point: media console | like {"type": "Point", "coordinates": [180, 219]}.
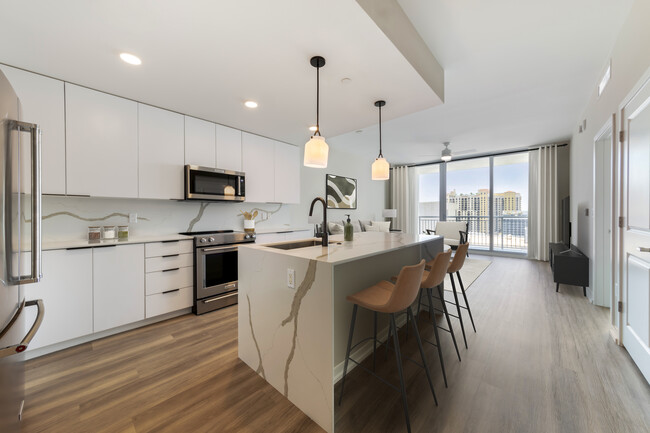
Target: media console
{"type": "Point", "coordinates": [569, 265]}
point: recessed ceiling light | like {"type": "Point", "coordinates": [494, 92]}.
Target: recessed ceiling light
{"type": "Point", "coordinates": [313, 128]}
{"type": "Point", "coordinates": [250, 104]}
{"type": "Point", "coordinates": [130, 59]}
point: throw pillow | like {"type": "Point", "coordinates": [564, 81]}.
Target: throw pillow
{"type": "Point", "coordinates": [382, 226]}
{"type": "Point", "coordinates": [356, 225]}
{"type": "Point", "coordinates": [335, 229]}
{"type": "Point", "coordinates": [364, 224]}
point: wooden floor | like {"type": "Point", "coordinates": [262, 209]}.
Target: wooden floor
{"type": "Point", "coordinates": [540, 362]}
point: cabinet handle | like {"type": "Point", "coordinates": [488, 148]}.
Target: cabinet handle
{"type": "Point", "coordinates": [169, 242]}
{"type": "Point", "coordinates": [171, 291]}
{"type": "Point", "coordinates": [169, 270]}
{"type": "Point", "coordinates": [170, 255]}
{"type": "Point", "coordinates": [644, 249]}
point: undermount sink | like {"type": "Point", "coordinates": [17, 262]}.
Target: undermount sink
{"type": "Point", "coordinates": [300, 244]}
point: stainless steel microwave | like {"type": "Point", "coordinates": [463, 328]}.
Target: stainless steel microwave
{"type": "Point", "coordinates": [205, 183]}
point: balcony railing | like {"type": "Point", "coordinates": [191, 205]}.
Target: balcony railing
{"type": "Point", "coordinates": [510, 232]}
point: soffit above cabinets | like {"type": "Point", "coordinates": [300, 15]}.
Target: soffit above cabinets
{"type": "Point", "coordinates": [205, 59]}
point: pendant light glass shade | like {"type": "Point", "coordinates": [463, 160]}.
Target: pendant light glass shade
{"type": "Point", "coordinates": [316, 152]}
{"type": "Point", "coordinates": [380, 169]}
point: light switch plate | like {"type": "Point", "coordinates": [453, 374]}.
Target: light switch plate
{"type": "Point", "coordinates": [291, 278]}
{"type": "Point", "coordinates": [133, 217]}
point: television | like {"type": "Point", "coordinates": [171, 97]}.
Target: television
{"type": "Point", "coordinates": [565, 221]}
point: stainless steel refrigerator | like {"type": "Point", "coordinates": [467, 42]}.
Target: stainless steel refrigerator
{"type": "Point", "coordinates": [20, 249]}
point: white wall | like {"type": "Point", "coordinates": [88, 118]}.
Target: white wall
{"type": "Point", "coordinates": [630, 58]}
{"type": "Point", "coordinates": [67, 217]}
{"type": "Point", "coordinates": [371, 194]}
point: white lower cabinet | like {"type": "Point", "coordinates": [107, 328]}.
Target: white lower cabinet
{"type": "Point", "coordinates": [67, 293]}
{"type": "Point", "coordinates": [169, 301]}
{"type": "Point", "coordinates": [118, 285]}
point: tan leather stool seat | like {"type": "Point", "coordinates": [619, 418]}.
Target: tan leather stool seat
{"type": "Point", "coordinates": [374, 298]}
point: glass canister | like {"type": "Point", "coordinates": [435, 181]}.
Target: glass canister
{"type": "Point", "coordinates": [94, 234]}
{"type": "Point", "coordinates": [122, 233]}
{"type": "Point", "coordinates": [110, 232]}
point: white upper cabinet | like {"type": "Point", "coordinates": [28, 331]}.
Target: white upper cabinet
{"type": "Point", "coordinates": [160, 153]}
{"type": "Point", "coordinates": [42, 103]}
{"type": "Point", "coordinates": [200, 142]}
{"type": "Point", "coordinates": [259, 166]}
{"type": "Point", "coordinates": [118, 285]}
{"type": "Point", "coordinates": [229, 148]}
{"type": "Point", "coordinates": [101, 144]}
{"type": "Point", "coordinates": [287, 173]}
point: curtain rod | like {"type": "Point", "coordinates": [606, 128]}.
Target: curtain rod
{"type": "Point", "coordinates": [485, 155]}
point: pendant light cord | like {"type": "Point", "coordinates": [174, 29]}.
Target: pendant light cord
{"type": "Point", "coordinates": [317, 100]}
{"type": "Point", "coordinates": [380, 154]}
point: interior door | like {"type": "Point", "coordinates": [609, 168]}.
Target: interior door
{"type": "Point", "coordinates": [636, 233]}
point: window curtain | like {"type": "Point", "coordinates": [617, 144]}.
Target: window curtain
{"type": "Point", "coordinates": [543, 208]}
{"type": "Point", "coordinates": [404, 198]}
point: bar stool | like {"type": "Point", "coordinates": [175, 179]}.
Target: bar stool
{"type": "Point", "coordinates": [454, 268]}
{"type": "Point", "coordinates": [384, 297]}
{"type": "Point", "coordinates": [433, 277]}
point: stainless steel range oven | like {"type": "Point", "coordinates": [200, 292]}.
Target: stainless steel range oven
{"type": "Point", "coordinates": [215, 265]}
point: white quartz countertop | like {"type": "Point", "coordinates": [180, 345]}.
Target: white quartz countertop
{"type": "Point", "coordinates": [83, 243]}
{"type": "Point", "coordinates": [365, 244]}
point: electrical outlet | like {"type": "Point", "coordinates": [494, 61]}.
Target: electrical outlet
{"type": "Point", "coordinates": [133, 217]}
{"type": "Point", "coordinates": [291, 278]}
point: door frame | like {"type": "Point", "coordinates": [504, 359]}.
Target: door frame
{"type": "Point", "coordinates": [609, 128]}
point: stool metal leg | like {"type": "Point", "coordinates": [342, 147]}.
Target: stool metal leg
{"type": "Point", "coordinates": [462, 288]}
{"type": "Point", "coordinates": [347, 353]}
{"type": "Point", "coordinates": [417, 313]}
{"type": "Point", "coordinates": [441, 294]}
{"type": "Point", "coordinates": [460, 315]}
{"type": "Point", "coordinates": [398, 358]}
{"type": "Point", "coordinates": [374, 343]}
{"type": "Point", "coordinates": [424, 360]}
{"type": "Point", "coordinates": [435, 332]}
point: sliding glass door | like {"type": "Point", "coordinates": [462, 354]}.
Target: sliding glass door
{"type": "Point", "coordinates": [468, 198]}
{"type": "Point", "coordinates": [510, 203]}
{"type": "Point", "coordinates": [489, 193]}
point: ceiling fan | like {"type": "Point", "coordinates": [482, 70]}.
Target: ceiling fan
{"type": "Point", "coordinates": [446, 155]}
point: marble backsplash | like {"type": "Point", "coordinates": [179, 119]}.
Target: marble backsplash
{"type": "Point", "coordinates": [67, 218]}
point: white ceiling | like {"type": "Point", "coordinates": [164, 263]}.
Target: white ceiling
{"type": "Point", "coordinates": [517, 73]}
{"type": "Point", "coordinates": [205, 57]}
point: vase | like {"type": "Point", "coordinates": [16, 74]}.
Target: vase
{"type": "Point", "coordinates": [249, 226]}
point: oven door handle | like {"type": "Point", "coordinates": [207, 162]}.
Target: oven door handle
{"type": "Point", "coordinates": [220, 249]}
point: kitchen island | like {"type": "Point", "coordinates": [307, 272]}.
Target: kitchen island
{"type": "Point", "coordinates": [295, 338]}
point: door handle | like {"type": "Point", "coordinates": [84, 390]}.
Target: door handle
{"type": "Point", "coordinates": [643, 249]}
{"type": "Point", "coordinates": [35, 274]}
{"type": "Point", "coordinates": [20, 347]}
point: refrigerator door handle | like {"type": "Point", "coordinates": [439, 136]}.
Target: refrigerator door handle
{"type": "Point", "coordinates": [35, 135]}
{"type": "Point", "coordinates": [20, 347]}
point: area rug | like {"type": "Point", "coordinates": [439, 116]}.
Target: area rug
{"type": "Point", "coordinates": [471, 270]}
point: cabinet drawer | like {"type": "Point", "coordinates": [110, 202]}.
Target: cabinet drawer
{"type": "Point", "coordinates": [157, 249]}
{"type": "Point", "coordinates": [153, 264]}
{"type": "Point", "coordinates": [158, 282]}
{"type": "Point", "coordinates": [162, 303]}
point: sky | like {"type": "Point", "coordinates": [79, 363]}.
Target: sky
{"type": "Point", "coordinates": [511, 177]}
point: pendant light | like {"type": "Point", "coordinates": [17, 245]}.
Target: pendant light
{"type": "Point", "coordinates": [380, 168]}
{"type": "Point", "coordinates": [446, 152]}
{"type": "Point", "coordinates": [316, 150]}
